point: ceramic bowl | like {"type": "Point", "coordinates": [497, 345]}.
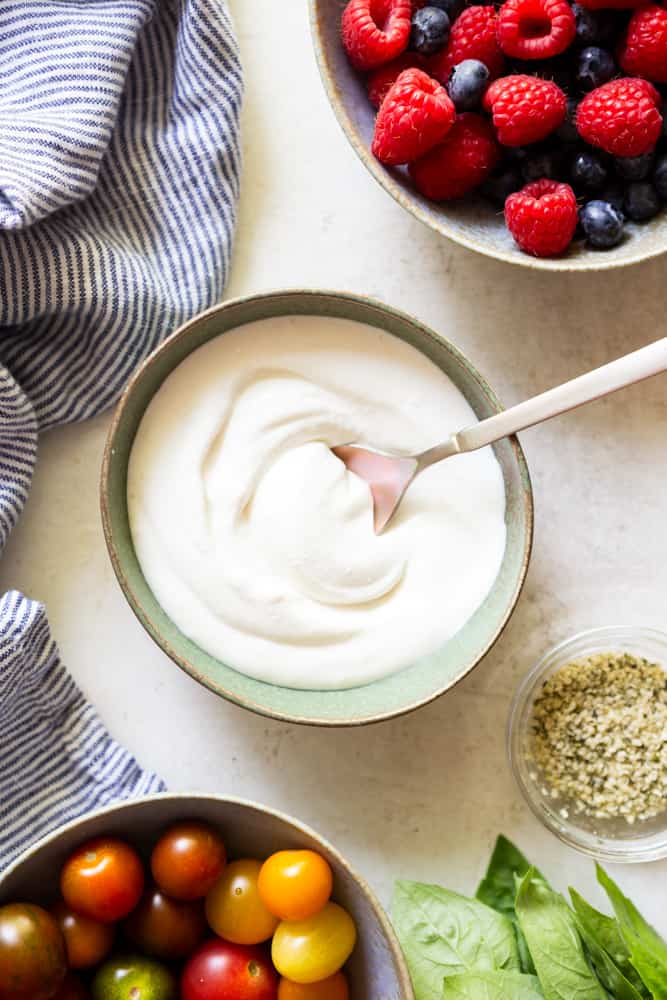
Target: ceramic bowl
{"type": "Point", "coordinates": [376, 971]}
{"type": "Point", "coordinates": [384, 698]}
{"type": "Point", "coordinates": [473, 222]}
{"type": "Point", "coordinates": [607, 840]}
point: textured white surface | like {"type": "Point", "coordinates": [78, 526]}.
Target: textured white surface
{"type": "Point", "coordinates": [423, 796]}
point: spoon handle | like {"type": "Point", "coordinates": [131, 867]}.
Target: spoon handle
{"type": "Point", "coordinates": [635, 367]}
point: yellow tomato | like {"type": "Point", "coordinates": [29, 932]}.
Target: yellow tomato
{"type": "Point", "coordinates": [307, 951]}
{"type": "Point", "coordinates": [295, 884]}
{"type": "Point", "coordinates": [333, 988]}
{"type": "Point", "coordinates": [234, 908]}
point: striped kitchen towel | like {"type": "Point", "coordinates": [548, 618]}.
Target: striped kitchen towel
{"type": "Point", "coordinates": [119, 176]}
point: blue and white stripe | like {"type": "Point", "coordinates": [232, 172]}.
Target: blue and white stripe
{"type": "Point", "coordinates": [119, 177]}
{"type": "Point", "coordinates": [57, 759]}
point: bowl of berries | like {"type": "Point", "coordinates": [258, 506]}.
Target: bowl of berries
{"type": "Point", "coordinates": [196, 897]}
{"type": "Point", "coordinates": [532, 131]}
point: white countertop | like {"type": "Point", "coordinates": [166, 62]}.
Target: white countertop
{"type": "Point", "coordinates": [422, 796]}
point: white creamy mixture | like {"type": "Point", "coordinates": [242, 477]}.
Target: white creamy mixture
{"type": "Point", "coordinates": [259, 544]}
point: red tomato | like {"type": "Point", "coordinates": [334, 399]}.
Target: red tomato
{"type": "Point", "coordinates": [188, 860]}
{"type": "Point", "coordinates": [166, 928]}
{"type": "Point", "coordinates": [32, 953]}
{"type": "Point", "coordinates": [103, 879]}
{"type": "Point", "coordinates": [233, 971]}
{"type": "Point", "coordinates": [88, 941]}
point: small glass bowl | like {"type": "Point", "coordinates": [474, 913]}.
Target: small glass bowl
{"type": "Point", "coordinates": [608, 840]}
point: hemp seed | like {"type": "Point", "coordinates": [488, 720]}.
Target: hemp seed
{"type": "Point", "coordinates": [599, 737]}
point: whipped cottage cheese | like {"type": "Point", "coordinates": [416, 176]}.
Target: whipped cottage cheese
{"type": "Point", "coordinates": [259, 543]}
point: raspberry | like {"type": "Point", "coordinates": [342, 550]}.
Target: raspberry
{"type": "Point", "coordinates": [415, 115]}
{"type": "Point", "coordinates": [473, 36]}
{"type": "Point", "coordinates": [375, 31]}
{"type": "Point", "coordinates": [525, 108]}
{"type": "Point", "coordinates": [460, 162]}
{"type": "Point", "coordinates": [381, 80]}
{"type": "Point", "coordinates": [542, 217]}
{"type": "Point", "coordinates": [620, 117]}
{"type": "Point", "coordinates": [644, 50]}
{"type": "Point", "coordinates": [535, 29]}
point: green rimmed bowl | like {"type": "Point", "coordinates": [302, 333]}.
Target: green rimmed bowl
{"type": "Point", "coordinates": [376, 970]}
{"type": "Point", "coordinates": [387, 697]}
{"type": "Point", "coordinates": [472, 222]}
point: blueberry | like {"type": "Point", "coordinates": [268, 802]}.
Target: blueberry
{"type": "Point", "coordinates": [595, 66]}
{"type": "Point", "coordinates": [660, 177]}
{"type": "Point", "coordinates": [467, 84]}
{"type": "Point", "coordinates": [502, 182]}
{"type": "Point", "coordinates": [641, 201]}
{"type": "Point", "coordinates": [588, 171]}
{"type": "Point", "coordinates": [613, 193]}
{"type": "Point", "coordinates": [546, 163]}
{"type": "Point", "coordinates": [567, 132]}
{"type": "Point", "coordinates": [602, 223]}
{"type": "Point", "coordinates": [594, 27]}
{"type": "Point", "coordinates": [634, 168]}
{"type": "Point", "coordinates": [430, 30]}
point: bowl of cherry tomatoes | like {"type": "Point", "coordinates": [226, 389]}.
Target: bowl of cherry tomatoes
{"type": "Point", "coordinates": [192, 897]}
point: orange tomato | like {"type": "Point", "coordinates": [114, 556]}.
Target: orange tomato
{"type": "Point", "coordinates": [295, 885]}
{"type": "Point", "coordinates": [188, 860]}
{"type": "Point", "coordinates": [333, 988]}
{"type": "Point", "coordinates": [87, 941]}
{"type": "Point", "coordinates": [103, 879]}
{"type": "Point", "coordinates": [234, 908]}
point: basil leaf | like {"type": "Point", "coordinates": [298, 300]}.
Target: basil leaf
{"type": "Point", "coordinates": [443, 934]}
{"type": "Point", "coordinates": [607, 934]}
{"type": "Point", "coordinates": [498, 889]}
{"type": "Point", "coordinates": [648, 951]}
{"type": "Point", "coordinates": [607, 971]}
{"type": "Point", "coordinates": [492, 986]}
{"type": "Point", "coordinates": [555, 946]}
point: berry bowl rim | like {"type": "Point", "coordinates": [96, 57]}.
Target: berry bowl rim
{"type": "Point", "coordinates": [340, 79]}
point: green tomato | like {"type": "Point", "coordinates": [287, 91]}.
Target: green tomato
{"type": "Point", "coordinates": [132, 977]}
{"type": "Point", "coordinates": [307, 951]}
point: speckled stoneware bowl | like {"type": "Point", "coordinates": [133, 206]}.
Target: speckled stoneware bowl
{"type": "Point", "coordinates": [376, 971]}
{"type": "Point", "coordinates": [384, 698]}
{"type": "Point", "coordinates": [473, 223]}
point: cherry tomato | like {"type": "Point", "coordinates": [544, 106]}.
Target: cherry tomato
{"type": "Point", "coordinates": [87, 941]}
{"type": "Point", "coordinates": [133, 977]}
{"type": "Point", "coordinates": [235, 972]}
{"type": "Point", "coordinates": [33, 962]}
{"type": "Point", "coordinates": [295, 885]}
{"type": "Point", "coordinates": [103, 879]}
{"type": "Point", "coordinates": [234, 908]}
{"type": "Point", "coordinates": [188, 860]}
{"type": "Point", "coordinates": [333, 988]}
{"type": "Point", "coordinates": [72, 988]}
{"type": "Point", "coordinates": [306, 951]}
{"type": "Point", "coordinates": [166, 928]}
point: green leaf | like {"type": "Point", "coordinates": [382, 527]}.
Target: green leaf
{"type": "Point", "coordinates": [555, 946]}
{"type": "Point", "coordinates": [648, 951]}
{"type": "Point", "coordinates": [607, 934]}
{"type": "Point", "coordinates": [492, 986]}
{"type": "Point", "coordinates": [498, 889]}
{"type": "Point", "coordinates": [443, 934]}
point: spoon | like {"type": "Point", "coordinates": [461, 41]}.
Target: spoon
{"type": "Point", "coordinates": [389, 476]}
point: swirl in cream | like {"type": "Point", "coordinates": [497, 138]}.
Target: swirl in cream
{"type": "Point", "coordinates": [259, 544]}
